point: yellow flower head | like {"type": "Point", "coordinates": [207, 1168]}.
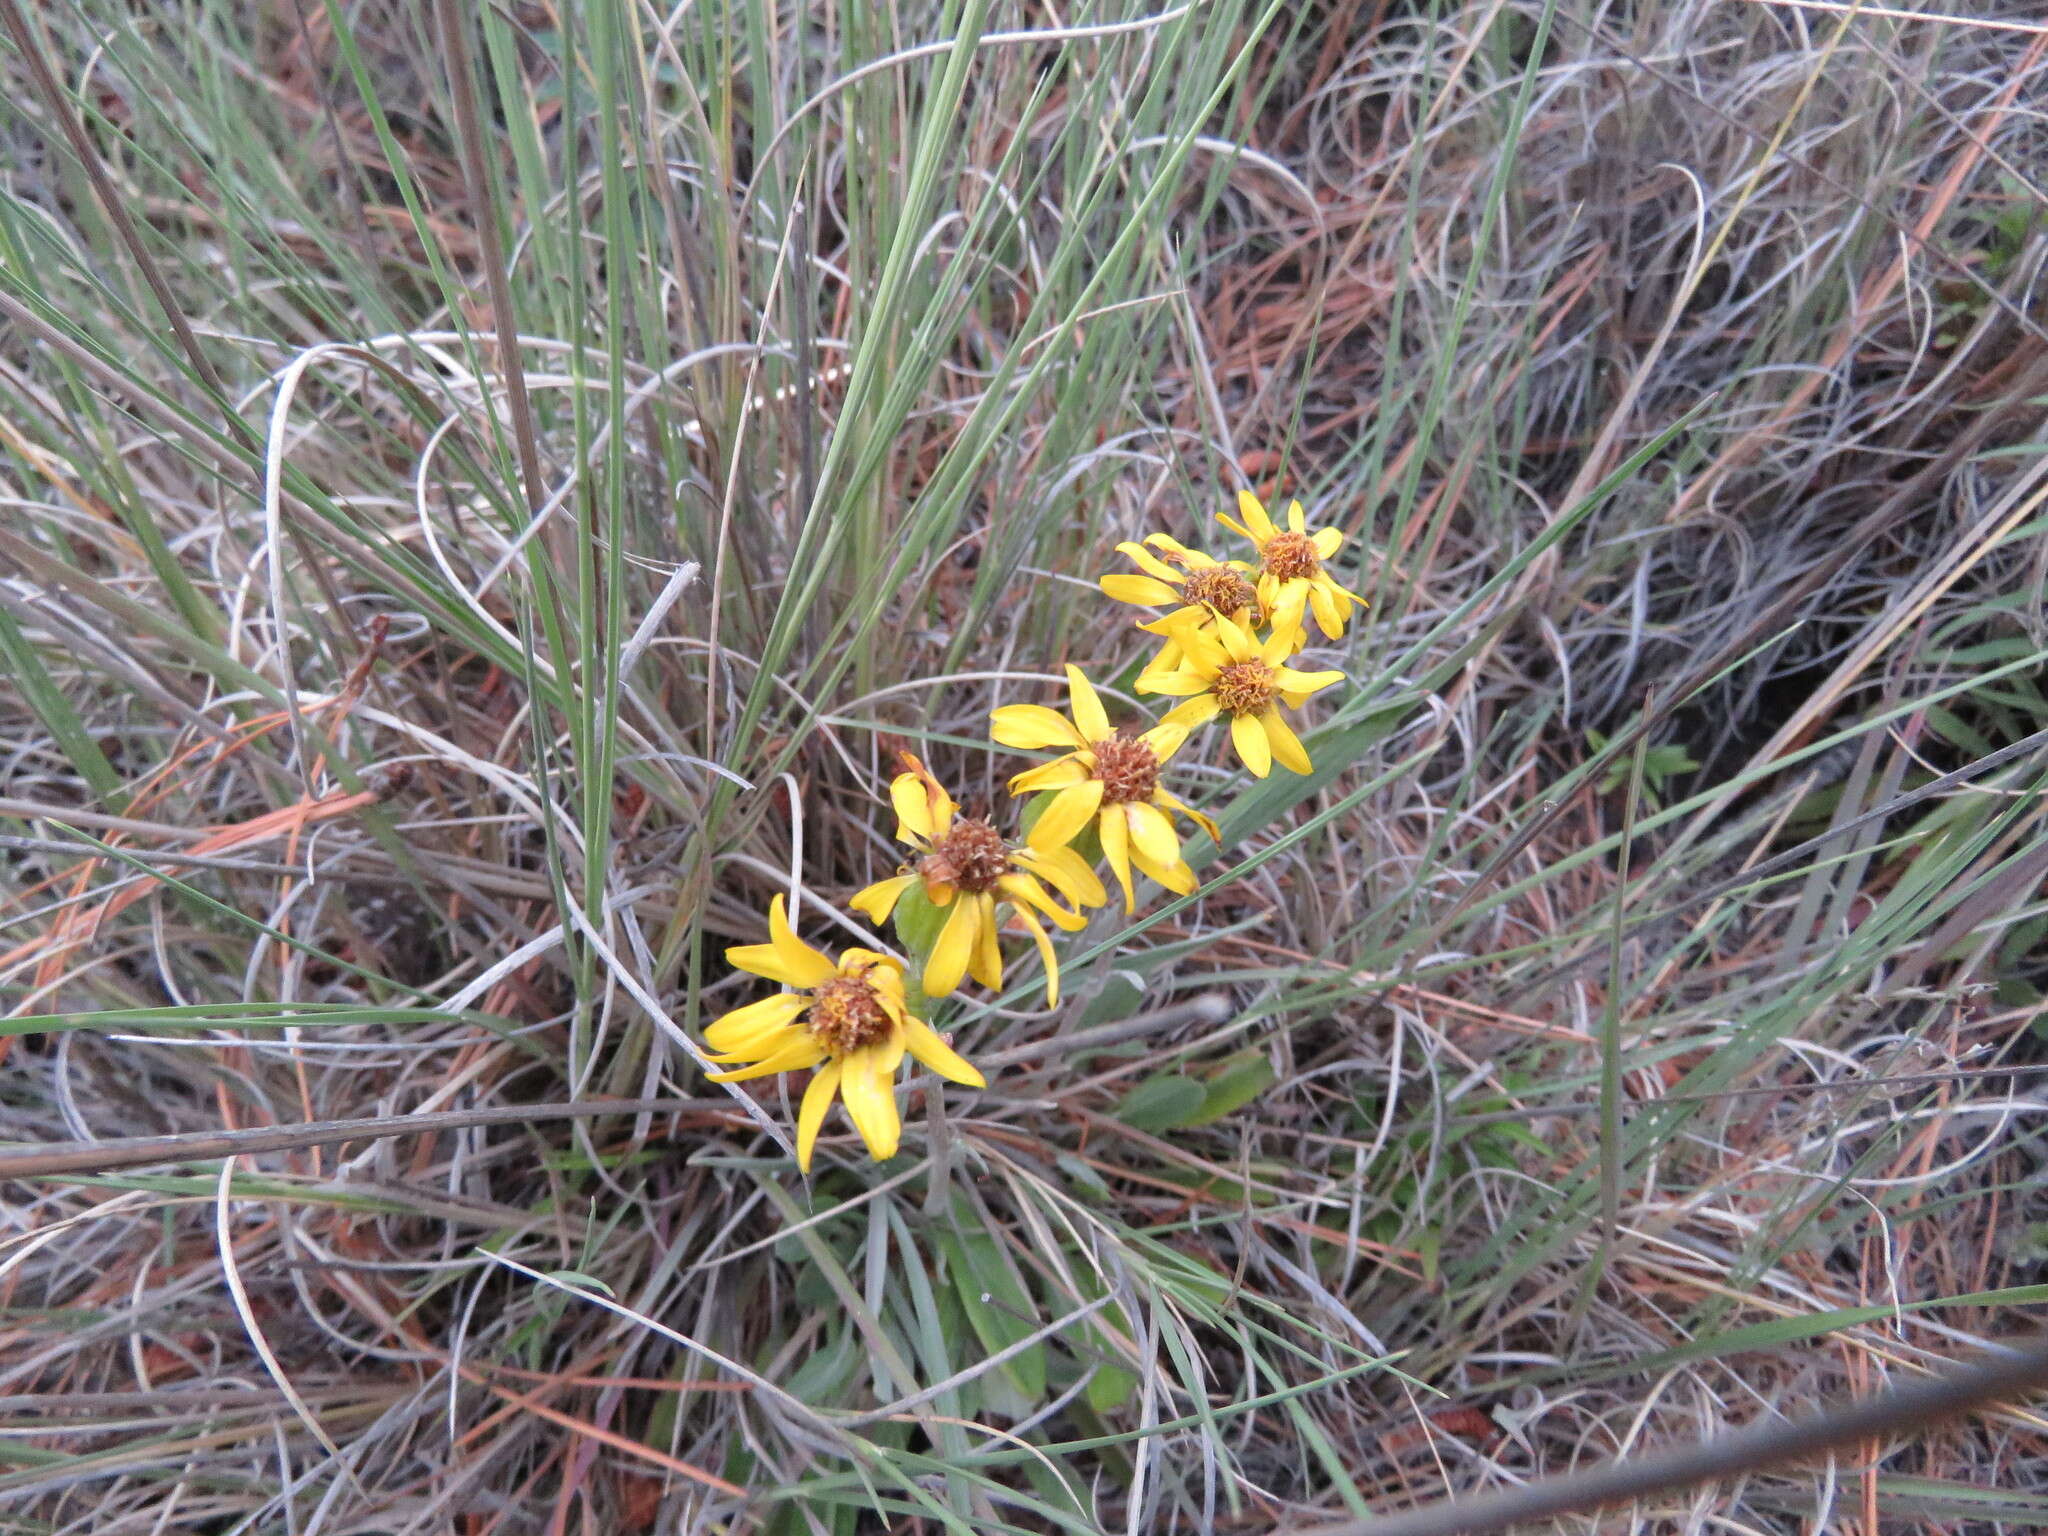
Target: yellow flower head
{"type": "Point", "coordinates": [1291, 575]}
{"type": "Point", "coordinates": [849, 1020]}
{"type": "Point", "coordinates": [969, 868]}
{"type": "Point", "coordinates": [1107, 778]}
{"type": "Point", "coordinates": [1226, 670]}
{"type": "Point", "coordinates": [1201, 586]}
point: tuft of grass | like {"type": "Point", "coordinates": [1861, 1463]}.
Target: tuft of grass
{"type": "Point", "coordinates": [489, 490]}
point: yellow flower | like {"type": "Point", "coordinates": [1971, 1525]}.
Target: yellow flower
{"type": "Point", "coordinates": [1291, 575]}
{"type": "Point", "coordinates": [1226, 670]}
{"type": "Point", "coordinates": [849, 1020]}
{"type": "Point", "coordinates": [1107, 778]}
{"type": "Point", "coordinates": [1202, 586]}
{"type": "Point", "coordinates": [968, 867]}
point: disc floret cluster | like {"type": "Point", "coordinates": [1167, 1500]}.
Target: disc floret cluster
{"type": "Point", "coordinates": [1229, 632]}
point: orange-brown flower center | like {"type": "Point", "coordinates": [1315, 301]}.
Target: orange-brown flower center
{"type": "Point", "coordinates": [1219, 589]}
{"type": "Point", "coordinates": [1244, 687]}
{"type": "Point", "coordinates": [972, 856]}
{"type": "Point", "coordinates": [847, 1013]}
{"type": "Point", "coordinates": [1291, 555]}
{"type": "Point", "coordinates": [1128, 768]}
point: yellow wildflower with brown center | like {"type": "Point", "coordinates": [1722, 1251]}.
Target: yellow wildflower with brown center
{"type": "Point", "coordinates": [850, 1020]}
{"type": "Point", "coordinates": [1106, 778]}
{"type": "Point", "coordinates": [1291, 579]}
{"type": "Point", "coordinates": [968, 867]}
{"type": "Point", "coordinates": [1227, 671]}
{"type": "Point", "coordinates": [1202, 587]}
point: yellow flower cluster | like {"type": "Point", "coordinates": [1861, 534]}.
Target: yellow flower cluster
{"type": "Point", "coordinates": [1232, 627]}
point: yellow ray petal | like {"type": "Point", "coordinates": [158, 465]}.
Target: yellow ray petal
{"type": "Point", "coordinates": [1152, 834]}
{"type": "Point", "coordinates": [951, 955]}
{"type": "Point", "coordinates": [1287, 748]}
{"type": "Point", "coordinates": [1296, 522]}
{"type": "Point", "coordinates": [1069, 812]}
{"type": "Point", "coordinates": [1253, 511]}
{"type": "Point", "coordinates": [785, 958]}
{"type": "Point", "coordinates": [1116, 848]}
{"type": "Point", "coordinates": [1033, 727]}
{"type": "Point", "coordinates": [1025, 891]}
{"type": "Point", "coordinates": [1278, 646]}
{"type": "Point", "coordinates": [731, 1031]}
{"type": "Point", "coordinates": [879, 900]}
{"type": "Point", "coordinates": [1252, 743]}
{"type": "Point", "coordinates": [802, 1051]}
{"type": "Point", "coordinates": [926, 1046]}
{"type": "Point", "coordinates": [1089, 715]}
{"type": "Point", "coordinates": [1203, 648]}
{"type": "Point", "coordinates": [1199, 710]}
{"type": "Point", "coordinates": [1046, 957]}
{"type": "Point", "coordinates": [1057, 774]}
{"type": "Point", "coordinates": [1290, 681]}
{"type": "Point", "coordinates": [1174, 803]}
{"type": "Point", "coordinates": [1166, 738]}
{"type": "Point", "coordinates": [1145, 591]}
{"type": "Point", "coordinates": [1066, 872]}
{"type": "Point", "coordinates": [1175, 685]}
{"type": "Point", "coordinates": [913, 808]}
{"type": "Point", "coordinates": [1327, 541]}
{"type": "Point", "coordinates": [810, 1116]}
{"type": "Point", "coordinates": [1329, 615]}
{"type": "Point", "coordinates": [986, 965]}
{"type": "Point", "coordinates": [1176, 877]}
{"type": "Point", "coordinates": [870, 1097]}
{"type": "Point", "coordinates": [1150, 563]}
{"type": "Point", "coordinates": [1236, 642]}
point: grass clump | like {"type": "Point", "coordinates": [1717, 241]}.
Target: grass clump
{"type": "Point", "coordinates": [494, 492]}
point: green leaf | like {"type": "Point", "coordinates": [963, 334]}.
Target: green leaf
{"type": "Point", "coordinates": [1240, 1080]}
{"type": "Point", "coordinates": [1160, 1103]}
{"type": "Point", "coordinates": [20, 664]}
{"type": "Point", "coordinates": [998, 1307]}
{"type": "Point", "coordinates": [918, 920]}
{"type": "Point", "coordinates": [578, 1280]}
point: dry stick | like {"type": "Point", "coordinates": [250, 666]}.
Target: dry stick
{"type": "Point", "coordinates": [93, 1157]}
{"type": "Point", "coordinates": [1907, 1411]}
